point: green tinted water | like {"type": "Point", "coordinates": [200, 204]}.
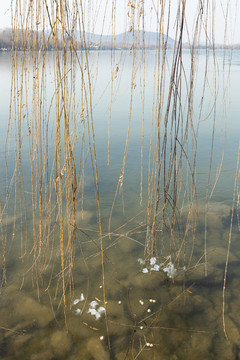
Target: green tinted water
{"type": "Point", "coordinates": [150, 315]}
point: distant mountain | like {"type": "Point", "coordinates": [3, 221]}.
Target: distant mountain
{"type": "Point", "coordinates": [125, 40]}
{"type": "Point", "coordinates": [150, 40]}
{"type": "Point", "coordinates": [5, 39]}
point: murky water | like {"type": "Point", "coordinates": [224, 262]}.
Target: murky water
{"type": "Point", "coordinates": [163, 308]}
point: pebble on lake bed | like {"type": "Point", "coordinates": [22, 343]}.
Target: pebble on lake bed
{"type": "Point", "coordinates": [149, 344]}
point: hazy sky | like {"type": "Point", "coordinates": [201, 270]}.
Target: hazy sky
{"type": "Point", "coordinates": [5, 13]}
{"type": "Point", "coordinates": [94, 10]}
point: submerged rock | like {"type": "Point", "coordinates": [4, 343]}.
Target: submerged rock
{"type": "Point", "coordinates": [222, 349]}
{"type": "Point", "coordinates": [216, 298]}
{"type": "Point", "coordinates": [234, 311]}
{"type": "Point", "coordinates": [29, 309]}
{"type": "Point", "coordinates": [174, 357]}
{"type": "Point", "coordinates": [217, 256]}
{"type": "Point", "coordinates": [233, 331]}
{"type": "Point", "coordinates": [212, 316]}
{"type": "Point", "coordinates": [61, 343]}
{"type": "Point", "coordinates": [121, 356]}
{"type": "Point", "coordinates": [44, 355]}
{"type": "Point", "coordinates": [214, 273]}
{"type": "Point", "coordinates": [119, 331]}
{"type": "Point", "coordinates": [76, 357]}
{"type": "Point", "coordinates": [226, 219]}
{"type": "Point", "coordinates": [84, 217]}
{"type": "Point", "coordinates": [78, 330]}
{"type": "Point", "coordinates": [201, 343]}
{"type": "Point", "coordinates": [115, 310]}
{"type": "Point", "coordinates": [21, 341]}
{"type": "Point", "coordinates": [126, 245]}
{"type": "Point", "coordinates": [202, 303]}
{"type": "Point", "coordinates": [97, 350]}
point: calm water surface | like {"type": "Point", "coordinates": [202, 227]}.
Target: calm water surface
{"type": "Point", "coordinates": [150, 314]}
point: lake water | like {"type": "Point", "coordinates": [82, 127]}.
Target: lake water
{"type": "Point", "coordinates": [157, 308]}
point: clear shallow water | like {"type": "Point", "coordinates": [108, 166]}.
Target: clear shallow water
{"type": "Point", "coordinates": [150, 315]}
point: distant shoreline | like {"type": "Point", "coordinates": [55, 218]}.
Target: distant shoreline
{"type": "Point", "coordinates": [7, 50]}
{"type": "Point", "coordinates": [94, 42]}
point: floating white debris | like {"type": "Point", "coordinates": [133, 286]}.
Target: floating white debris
{"type": "Point", "coordinates": [149, 310]}
{"type": "Point", "coordinates": [119, 302]}
{"type": "Point", "coordinates": [153, 261]}
{"type": "Point", "coordinates": [141, 328]}
{"type": "Point", "coordinates": [155, 268]}
{"type": "Point", "coordinates": [93, 304]}
{"type": "Point", "coordinates": [101, 338]}
{"type": "Point", "coordinates": [100, 287]}
{"type": "Point", "coordinates": [170, 270]}
{"type": "Point", "coordinates": [141, 302]}
{"type": "Point", "coordinates": [101, 310]}
{"type": "Point", "coordinates": [167, 266]}
{"type": "Point", "coordinates": [153, 300]}
{"type": "Point", "coordinates": [78, 311]}
{"type": "Point", "coordinates": [76, 301]}
{"type": "Point", "coordinates": [94, 312]}
{"type": "Point", "coordinates": [150, 300]}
